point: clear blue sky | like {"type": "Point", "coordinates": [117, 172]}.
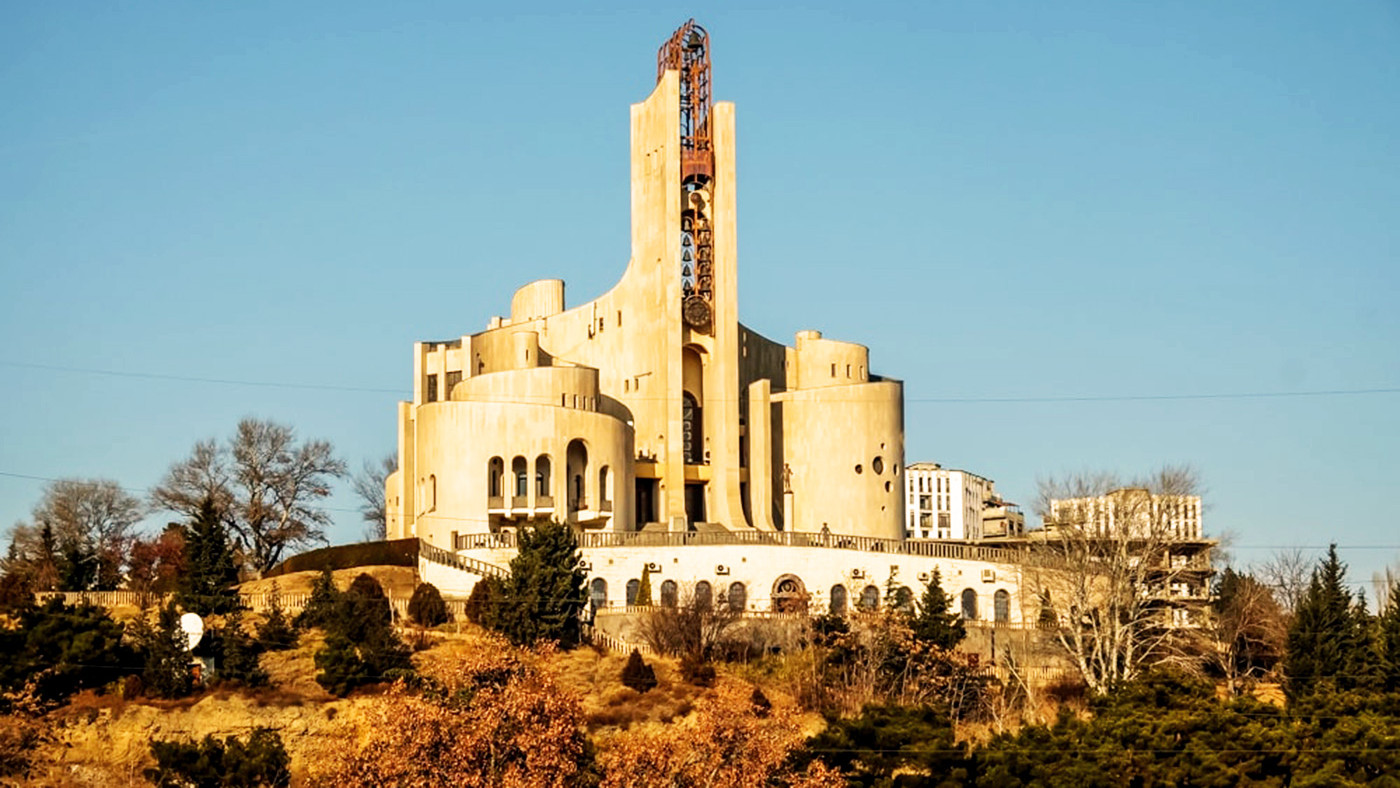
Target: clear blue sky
{"type": "Point", "coordinates": [1003, 200]}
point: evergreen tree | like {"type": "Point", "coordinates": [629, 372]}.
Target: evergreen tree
{"type": "Point", "coordinates": [1327, 642]}
{"type": "Point", "coordinates": [544, 595]}
{"type": "Point", "coordinates": [207, 586]}
{"type": "Point", "coordinates": [165, 654]}
{"type": "Point", "coordinates": [321, 606]}
{"type": "Point", "coordinates": [276, 632]}
{"type": "Point", "coordinates": [935, 623]}
{"type": "Point", "coordinates": [426, 607]}
{"type": "Point", "coordinates": [1388, 642]}
{"type": "Point", "coordinates": [483, 604]}
{"type": "Point", "coordinates": [64, 649]}
{"type": "Point", "coordinates": [238, 657]}
{"type": "Point", "coordinates": [361, 646]}
{"type": "Point", "coordinates": [637, 674]}
{"type": "Point", "coordinates": [644, 588]}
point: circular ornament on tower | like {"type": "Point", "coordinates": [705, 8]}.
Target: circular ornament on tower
{"type": "Point", "coordinates": [696, 311]}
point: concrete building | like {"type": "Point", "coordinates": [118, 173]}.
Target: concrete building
{"type": "Point", "coordinates": [678, 442]}
{"type": "Point", "coordinates": [652, 406]}
{"type": "Point", "coordinates": [945, 503]}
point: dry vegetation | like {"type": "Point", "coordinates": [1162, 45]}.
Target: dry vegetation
{"type": "Point", "coordinates": [397, 581]}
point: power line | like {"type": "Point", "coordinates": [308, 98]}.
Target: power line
{"type": "Point", "coordinates": [194, 379]}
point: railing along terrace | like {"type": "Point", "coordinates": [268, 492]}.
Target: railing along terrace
{"type": "Point", "coordinates": [871, 544]}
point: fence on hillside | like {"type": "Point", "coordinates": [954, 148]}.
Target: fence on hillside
{"type": "Point", "coordinates": [256, 602]}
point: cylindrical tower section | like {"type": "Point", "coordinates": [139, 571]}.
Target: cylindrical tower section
{"type": "Point", "coordinates": [527, 350]}
{"type": "Point", "coordinates": [536, 300]}
{"type": "Point", "coordinates": [844, 457]}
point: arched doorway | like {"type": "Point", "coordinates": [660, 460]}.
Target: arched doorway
{"type": "Point", "coordinates": [789, 595]}
{"type": "Point", "coordinates": [633, 586]}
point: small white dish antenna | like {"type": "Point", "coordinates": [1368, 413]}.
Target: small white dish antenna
{"type": "Point", "coordinates": [193, 627]}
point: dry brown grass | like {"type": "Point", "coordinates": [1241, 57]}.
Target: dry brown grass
{"type": "Point", "coordinates": [398, 581]}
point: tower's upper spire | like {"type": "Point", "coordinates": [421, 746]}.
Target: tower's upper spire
{"type": "Point", "coordinates": [688, 52]}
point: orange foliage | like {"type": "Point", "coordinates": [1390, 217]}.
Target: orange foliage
{"type": "Point", "coordinates": [729, 741]}
{"type": "Point", "coordinates": [493, 718]}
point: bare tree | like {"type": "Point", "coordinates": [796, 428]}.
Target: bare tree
{"type": "Point", "coordinates": [1288, 573]}
{"type": "Point", "coordinates": [80, 536]}
{"type": "Point", "coordinates": [1249, 629]}
{"type": "Point", "coordinates": [368, 483]}
{"type": "Point", "coordinates": [1121, 561]}
{"type": "Point", "coordinates": [690, 629]}
{"type": "Point", "coordinates": [1384, 584]}
{"type": "Point", "coordinates": [264, 485]}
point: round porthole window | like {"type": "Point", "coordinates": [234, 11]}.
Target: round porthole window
{"type": "Point", "coordinates": [858, 468]}
{"type": "Point", "coordinates": [878, 465]}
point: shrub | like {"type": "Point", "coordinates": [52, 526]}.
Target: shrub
{"type": "Point", "coordinates": [697, 671]}
{"type": "Point", "coordinates": [260, 761]}
{"type": "Point", "coordinates": [426, 607]}
{"type": "Point", "coordinates": [637, 674]}
{"type": "Point", "coordinates": [481, 607]}
{"type": "Point", "coordinates": [62, 650]}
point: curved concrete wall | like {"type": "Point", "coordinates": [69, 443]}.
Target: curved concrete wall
{"type": "Point", "coordinates": [844, 450]}
{"type": "Point", "coordinates": [537, 299]}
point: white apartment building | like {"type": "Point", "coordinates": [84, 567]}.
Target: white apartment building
{"type": "Point", "coordinates": [946, 503]}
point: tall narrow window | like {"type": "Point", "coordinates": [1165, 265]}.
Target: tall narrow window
{"type": "Point", "coordinates": [432, 389]}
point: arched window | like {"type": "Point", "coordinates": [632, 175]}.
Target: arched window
{"type": "Point", "coordinates": [633, 586]}
{"type": "Point", "coordinates": [598, 593]}
{"type": "Point", "coordinates": [542, 479]}
{"type": "Point", "coordinates": [838, 599]}
{"type": "Point", "coordinates": [520, 469]}
{"type": "Point", "coordinates": [738, 597]}
{"type": "Point", "coordinates": [576, 460]}
{"type": "Point", "coordinates": [669, 593]}
{"type": "Point", "coordinates": [869, 598]}
{"type": "Point", "coordinates": [495, 471]}
{"type": "Point", "coordinates": [604, 494]}
{"type": "Point", "coordinates": [904, 599]}
{"type": "Point", "coordinates": [692, 437]}
{"type": "Point", "coordinates": [704, 597]}
{"type": "Point", "coordinates": [1001, 606]}
{"type": "Point", "coordinates": [969, 604]}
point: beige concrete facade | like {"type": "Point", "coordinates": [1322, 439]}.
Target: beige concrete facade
{"type": "Point", "coordinates": [628, 413]}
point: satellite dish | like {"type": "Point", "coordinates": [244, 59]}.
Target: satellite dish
{"type": "Point", "coordinates": [193, 627]}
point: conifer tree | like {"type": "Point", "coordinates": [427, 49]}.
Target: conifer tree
{"type": "Point", "coordinates": [544, 595]}
{"type": "Point", "coordinates": [207, 587]}
{"type": "Point", "coordinates": [164, 650]}
{"type": "Point", "coordinates": [644, 588]}
{"type": "Point", "coordinates": [238, 658]}
{"type": "Point", "coordinates": [935, 623]}
{"type": "Point", "coordinates": [320, 607]}
{"type": "Point", "coordinates": [1327, 642]}
{"type": "Point", "coordinates": [276, 632]}
{"type": "Point", "coordinates": [1388, 641]}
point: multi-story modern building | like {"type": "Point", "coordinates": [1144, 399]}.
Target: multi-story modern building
{"type": "Point", "coordinates": [945, 503]}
